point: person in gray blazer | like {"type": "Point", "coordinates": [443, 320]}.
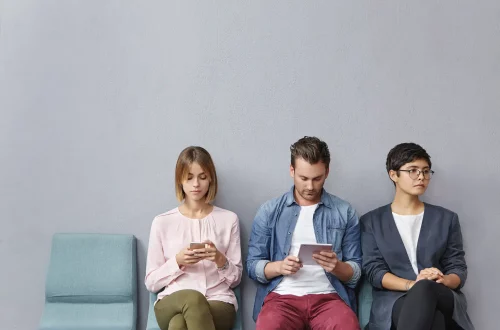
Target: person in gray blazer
{"type": "Point", "coordinates": [413, 253]}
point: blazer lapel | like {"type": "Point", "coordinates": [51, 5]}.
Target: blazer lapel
{"type": "Point", "coordinates": [392, 230]}
{"type": "Point", "coordinates": [425, 235]}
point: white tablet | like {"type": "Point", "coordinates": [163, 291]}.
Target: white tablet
{"type": "Point", "coordinates": [306, 252]}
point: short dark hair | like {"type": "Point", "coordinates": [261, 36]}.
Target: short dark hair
{"type": "Point", "coordinates": [311, 149]}
{"type": "Point", "coordinates": [405, 153]}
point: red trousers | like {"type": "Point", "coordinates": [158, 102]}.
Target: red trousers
{"type": "Point", "coordinates": [313, 311]}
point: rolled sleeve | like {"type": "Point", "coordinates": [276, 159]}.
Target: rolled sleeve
{"type": "Point", "coordinates": [259, 246]}
{"type": "Point", "coordinates": [374, 265]}
{"type": "Point", "coordinates": [356, 274]}
{"type": "Point", "coordinates": [259, 271]}
{"type": "Point", "coordinates": [453, 259]}
{"type": "Point", "coordinates": [351, 248]}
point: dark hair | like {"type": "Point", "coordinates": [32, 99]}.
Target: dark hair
{"type": "Point", "coordinates": [405, 153]}
{"type": "Point", "coordinates": [311, 149]}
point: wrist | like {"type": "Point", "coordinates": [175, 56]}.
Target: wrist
{"type": "Point", "coordinates": [220, 260]}
{"type": "Point", "coordinates": [446, 280]}
{"type": "Point", "coordinates": [409, 284]}
{"type": "Point", "coordinates": [338, 268]}
{"type": "Point", "coordinates": [275, 268]}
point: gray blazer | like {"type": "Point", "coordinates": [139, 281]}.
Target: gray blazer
{"type": "Point", "coordinates": [439, 245]}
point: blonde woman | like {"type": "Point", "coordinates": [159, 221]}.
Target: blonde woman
{"type": "Point", "coordinates": [194, 254]}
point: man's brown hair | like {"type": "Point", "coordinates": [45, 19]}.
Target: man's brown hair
{"type": "Point", "coordinates": [311, 149]}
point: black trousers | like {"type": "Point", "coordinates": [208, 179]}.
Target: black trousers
{"type": "Point", "coordinates": [427, 306]}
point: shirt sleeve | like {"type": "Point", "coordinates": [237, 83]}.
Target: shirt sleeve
{"type": "Point", "coordinates": [259, 246]}
{"type": "Point", "coordinates": [232, 273]}
{"type": "Point", "coordinates": [160, 272]}
{"type": "Point", "coordinates": [351, 248]}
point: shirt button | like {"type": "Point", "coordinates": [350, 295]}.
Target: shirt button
{"type": "Point", "coordinates": [289, 233]}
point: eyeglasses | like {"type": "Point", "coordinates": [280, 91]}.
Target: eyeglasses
{"type": "Point", "coordinates": [414, 173]}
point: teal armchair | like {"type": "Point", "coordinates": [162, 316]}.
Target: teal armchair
{"type": "Point", "coordinates": [364, 302]}
{"type": "Point", "coordinates": [91, 283]}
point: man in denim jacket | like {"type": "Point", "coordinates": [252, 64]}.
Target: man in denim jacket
{"type": "Point", "coordinates": [291, 295]}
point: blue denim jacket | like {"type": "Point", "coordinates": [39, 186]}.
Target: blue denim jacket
{"type": "Point", "coordinates": [335, 222]}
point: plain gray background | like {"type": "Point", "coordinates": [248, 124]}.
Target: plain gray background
{"type": "Point", "coordinates": [98, 98]}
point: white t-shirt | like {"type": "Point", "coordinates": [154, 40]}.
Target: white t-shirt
{"type": "Point", "coordinates": [409, 230]}
{"type": "Point", "coordinates": [309, 279]}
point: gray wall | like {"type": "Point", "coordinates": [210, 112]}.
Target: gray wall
{"type": "Point", "coordinates": [97, 99]}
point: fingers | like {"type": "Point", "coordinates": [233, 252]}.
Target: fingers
{"type": "Point", "coordinates": [206, 253]}
{"type": "Point", "coordinates": [431, 271]}
{"type": "Point", "coordinates": [290, 265]}
{"type": "Point", "coordinates": [325, 256]}
{"type": "Point", "coordinates": [209, 244]}
{"type": "Point", "coordinates": [206, 250]}
{"type": "Point", "coordinates": [433, 277]}
{"type": "Point", "coordinates": [292, 258]}
{"type": "Point", "coordinates": [191, 261]}
{"type": "Point", "coordinates": [326, 259]}
{"type": "Point", "coordinates": [290, 269]}
{"type": "Point", "coordinates": [437, 271]}
{"type": "Point", "coordinates": [328, 254]}
{"type": "Point", "coordinates": [293, 264]}
{"type": "Point", "coordinates": [328, 266]}
{"type": "Point", "coordinates": [429, 276]}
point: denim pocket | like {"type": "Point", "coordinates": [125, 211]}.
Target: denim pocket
{"type": "Point", "coordinates": [335, 236]}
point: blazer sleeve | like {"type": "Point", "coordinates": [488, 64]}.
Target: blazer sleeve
{"type": "Point", "coordinates": [453, 258]}
{"type": "Point", "coordinates": [374, 265]}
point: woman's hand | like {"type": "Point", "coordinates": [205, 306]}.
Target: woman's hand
{"type": "Point", "coordinates": [211, 253]}
{"type": "Point", "coordinates": [432, 274]}
{"type": "Point", "coordinates": [186, 257]}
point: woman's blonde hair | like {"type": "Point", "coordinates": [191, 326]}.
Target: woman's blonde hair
{"type": "Point", "coordinates": [186, 158]}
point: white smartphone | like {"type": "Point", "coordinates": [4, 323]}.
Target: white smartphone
{"type": "Point", "coordinates": [306, 252]}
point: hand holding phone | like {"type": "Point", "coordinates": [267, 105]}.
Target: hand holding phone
{"type": "Point", "coordinates": [208, 251]}
{"type": "Point", "coordinates": [186, 257]}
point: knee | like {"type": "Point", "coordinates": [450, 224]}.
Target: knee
{"type": "Point", "coordinates": [343, 320]}
{"type": "Point", "coordinates": [194, 298]}
{"type": "Point", "coordinates": [423, 287]}
{"type": "Point", "coordinates": [266, 316]}
{"type": "Point", "coordinates": [269, 319]}
{"type": "Point", "coordinates": [177, 323]}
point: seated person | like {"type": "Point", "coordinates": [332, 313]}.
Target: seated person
{"type": "Point", "coordinates": [291, 295]}
{"type": "Point", "coordinates": [413, 253]}
{"type": "Point", "coordinates": [196, 282]}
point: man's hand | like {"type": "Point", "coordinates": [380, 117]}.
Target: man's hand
{"type": "Point", "coordinates": [290, 265]}
{"type": "Point", "coordinates": [326, 259]}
